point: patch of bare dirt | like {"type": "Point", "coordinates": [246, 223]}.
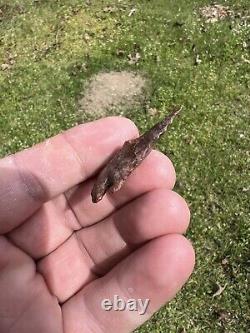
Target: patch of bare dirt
{"type": "Point", "coordinates": [109, 93]}
{"type": "Point", "coordinates": [215, 13]}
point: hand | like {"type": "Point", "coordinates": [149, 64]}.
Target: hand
{"type": "Point", "coordinates": [61, 255]}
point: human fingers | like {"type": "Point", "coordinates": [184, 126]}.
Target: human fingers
{"type": "Point", "coordinates": [156, 171]}
{"type": "Point", "coordinates": [33, 176]}
{"type": "Point", "coordinates": [155, 272]}
{"type": "Point", "coordinates": [48, 228]}
{"type": "Point", "coordinates": [91, 252]}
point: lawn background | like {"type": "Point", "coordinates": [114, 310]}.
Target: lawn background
{"type": "Point", "coordinates": [53, 47]}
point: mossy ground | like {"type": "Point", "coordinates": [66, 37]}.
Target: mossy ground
{"type": "Point", "coordinates": [53, 47]}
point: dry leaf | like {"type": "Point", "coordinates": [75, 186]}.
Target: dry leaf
{"type": "Point", "coordinates": [109, 9]}
{"type": "Point", "coordinates": [225, 261]}
{"type": "Point", "coordinates": [197, 60]}
{"type": "Point", "coordinates": [132, 12]}
{"type": "Point", "coordinates": [4, 67]}
{"type": "Point", "coordinates": [153, 111]}
{"type": "Point", "coordinates": [120, 53]}
{"type": "Point", "coordinates": [86, 37]}
{"type": "Point", "coordinates": [134, 58]}
{"type": "Point", "coordinates": [220, 290]}
{"type": "Point", "coordinates": [247, 61]}
{"type": "Point", "coordinates": [223, 316]}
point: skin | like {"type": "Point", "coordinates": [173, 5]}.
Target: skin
{"type": "Point", "coordinates": [61, 254]}
{"type": "Point", "coordinates": [128, 158]}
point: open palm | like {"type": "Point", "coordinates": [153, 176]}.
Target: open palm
{"type": "Point", "coordinates": [61, 255]}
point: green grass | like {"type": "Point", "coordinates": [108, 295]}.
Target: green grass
{"type": "Point", "coordinates": [208, 144]}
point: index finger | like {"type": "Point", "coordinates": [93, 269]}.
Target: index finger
{"type": "Point", "coordinates": [33, 176]}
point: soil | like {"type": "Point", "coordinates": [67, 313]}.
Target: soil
{"type": "Point", "coordinates": [111, 93]}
